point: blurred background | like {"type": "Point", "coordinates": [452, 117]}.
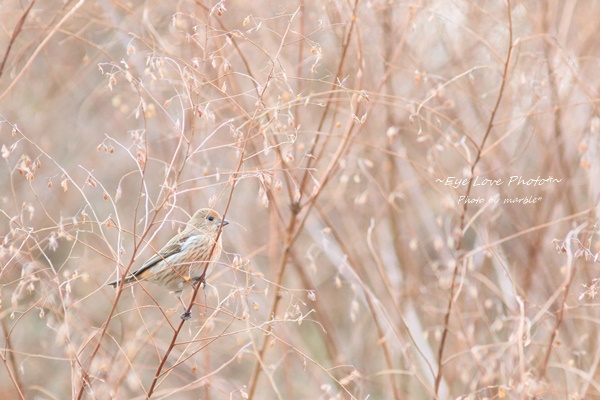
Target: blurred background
{"type": "Point", "coordinates": [326, 132]}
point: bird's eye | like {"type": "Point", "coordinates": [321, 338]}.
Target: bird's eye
{"type": "Point", "coordinates": [211, 218]}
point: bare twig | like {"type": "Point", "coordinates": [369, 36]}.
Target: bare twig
{"type": "Point", "coordinates": [16, 31]}
{"type": "Point", "coordinates": [459, 241]}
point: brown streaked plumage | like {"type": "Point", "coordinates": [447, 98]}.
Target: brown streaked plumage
{"type": "Point", "coordinates": [183, 259]}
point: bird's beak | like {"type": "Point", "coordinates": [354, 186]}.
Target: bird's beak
{"type": "Point", "coordinates": [224, 222]}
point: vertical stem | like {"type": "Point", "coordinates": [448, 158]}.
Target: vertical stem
{"type": "Point", "coordinates": [459, 241]}
{"type": "Point", "coordinates": [14, 377]}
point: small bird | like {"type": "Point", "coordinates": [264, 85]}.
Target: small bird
{"type": "Point", "coordinates": [184, 257]}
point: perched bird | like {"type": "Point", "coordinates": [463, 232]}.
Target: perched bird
{"type": "Point", "coordinates": [185, 256]}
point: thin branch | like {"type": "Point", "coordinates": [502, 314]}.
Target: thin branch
{"type": "Point", "coordinates": [14, 35]}
{"type": "Point", "coordinates": [459, 241]}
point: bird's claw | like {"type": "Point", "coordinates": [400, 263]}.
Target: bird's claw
{"type": "Point", "coordinates": [187, 314]}
{"type": "Point", "coordinates": [202, 282]}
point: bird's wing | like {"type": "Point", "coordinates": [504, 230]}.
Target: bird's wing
{"type": "Point", "coordinates": [172, 247]}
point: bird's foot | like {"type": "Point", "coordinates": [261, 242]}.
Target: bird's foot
{"type": "Point", "coordinates": [202, 281]}
{"type": "Point", "coordinates": [187, 314]}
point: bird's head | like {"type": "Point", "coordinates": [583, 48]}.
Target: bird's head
{"type": "Point", "coordinates": [207, 219]}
